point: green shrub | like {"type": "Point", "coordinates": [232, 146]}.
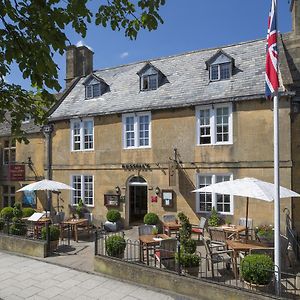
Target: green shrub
{"type": "Point", "coordinates": [17, 211]}
{"type": "Point", "coordinates": [186, 228]}
{"type": "Point", "coordinates": [151, 219]}
{"type": "Point", "coordinates": [2, 223]}
{"type": "Point", "coordinates": [18, 228]}
{"type": "Point", "coordinates": [28, 211]}
{"type": "Point", "coordinates": [54, 233]}
{"type": "Point", "coordinates": [80, 209]}
{"type": "Point", "coordinates": [214, 219]}
{"type": "Point", "coordinates": [257, 269]}
{"type": "Point", "coordinates": [113, 215]}
{"type": "Point", "coordinates": [190, 246]}
{"type": "Point", "coordinates": [115, 245]}
{"type": "Point", "coordinates": [7, 213]}
{"type": "Point", "coordinates": [188, 259]}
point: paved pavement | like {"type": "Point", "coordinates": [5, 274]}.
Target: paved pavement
{"type": "Point", "coordinates": [26, 278]}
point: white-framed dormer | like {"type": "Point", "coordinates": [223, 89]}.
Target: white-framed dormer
{"type": "Point", "coordinates": [84, 188]}
{"type": "Point", "coordinates": [220, 66]}
{"type": "Point", "coordinates": [214, 124]}
{"type": "Point", "coordinates": [136, 130]}
{"type": "Point", "coordinates": [94, 87]}
{"type": "Point", "coordinates": [82, 134]}
{"type": "Point", "coordinates": [224, 204]}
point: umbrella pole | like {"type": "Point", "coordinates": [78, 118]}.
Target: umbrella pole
{"type": "Point", "coordinates": [247, 209]}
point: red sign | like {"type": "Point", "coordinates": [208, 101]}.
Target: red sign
{"type": "Point", "coordinates": [153, 198]}
{"type": "Point", "coordinates": [16, 172]}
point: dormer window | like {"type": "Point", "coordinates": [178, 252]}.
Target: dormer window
{"type": "Point", "coordinates": [94, 87]}
{"type": "Point", "coordinates": [220, 66]}
{"type": "Point", "coordinates": [151, 78]}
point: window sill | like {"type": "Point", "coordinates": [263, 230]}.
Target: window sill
{"type": "Point", "coordinates": [216, 144]}
{"type": "Point", "coordinates": [85, 150]}
{"type": "Point", "coordinates": [136, 148]}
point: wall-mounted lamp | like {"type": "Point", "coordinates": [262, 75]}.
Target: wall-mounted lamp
{"type": "Point", "coordinates": [118, 190]}
{"type": "Point", "coordinates": [157, 190]}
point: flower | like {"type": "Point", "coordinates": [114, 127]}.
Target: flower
{"type": "Point", "coordinates": [265, 231]}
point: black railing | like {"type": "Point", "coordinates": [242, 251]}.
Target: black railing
{"type": "Point", "coordinates": [216, 270]}
{"type": "Point", "coordinates": [292, 234]}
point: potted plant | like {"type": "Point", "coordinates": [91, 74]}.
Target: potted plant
{"type": "Point", "coordinates": [214, 219]}
{"type": "Point", "coordinates": [113, 222]}
{"type": "Point", "coordinates": [54, 236]}
{"type": "Point", "coordinates": [80, 209]}
{"type": "Point", "coordinates": [187, 258]}
{"type": "Point", "coordinates": [115, 246]}
{"type": "Point", "coordinates": [17, 227]}
{"type": "Point", "coordinates": [151, 219]}
{"type": "Point", "coordinates": [257, 270]}
{"type": "Point", "coordinates": [155, 231]}
{"type": "Point", "coordinates": [265, 234]}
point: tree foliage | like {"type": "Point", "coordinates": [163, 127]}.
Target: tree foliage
{"type": "Point", "coordinates": [32, 31]}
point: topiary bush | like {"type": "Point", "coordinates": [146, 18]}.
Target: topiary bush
{"type": "Point", "coordinates": [214, 219]}
{"type": "Point", "coordinates": [18, 228]}
{"type": "Point", "coordinates": [28, 211]}
{"type": "Point", "coordinates": [257, 269]}
{"type": "Point", "coordinates": [7, 213]}
{"type": "Point", "coordinates": [188, 260]}
{"type": "Point", "coordinates": [115, 246]}
{"type": "Point", "coordinates": [151, 219]}
{"type": "Point", "coordinates": [113, 215]}
{"type": "Point", "coordinates": [54, 233]}
{"type": "Point", "coordinates": [190, 246]}
{"type": "Point", "coordinates": [2, 224]}
{"type": "Point", "coordinates": [17, 211]}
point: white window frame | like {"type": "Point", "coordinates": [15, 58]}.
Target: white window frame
{"type": "Point", "coordinates": [213, 124]}
{"type": "Point", "coordinates": [91, 86]}
{"type": "Point", "coordinates": [214, 196]}
{"type": "Point", "coordinates": [11, 197]}
{"type": "Point", "coordinates": [219, 71]}
{"type": "Point", "coordinates": [136, 129]}
{"type": "Point", "coordinates": [148, 80]}
{"type": "Point", "coordinates": [11, 148]}
{"type": "Point", "coordinates": [81, 122]}
{"type": "Point", "coordinates": [82, 189]}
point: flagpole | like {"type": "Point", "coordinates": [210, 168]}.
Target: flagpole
{"type": "Point", "coordinates": [277, 258]}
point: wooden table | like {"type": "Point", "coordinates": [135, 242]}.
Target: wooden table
{"type": "Point", "coordinates": [148, 242]}
{"type": "Point", "coordinates": [238, 246]}
{"type": "Point", "coordinates": [233, 230]}
{"type": "Point", "coordinates": [74, 223]}
{"type": "Point", "coordinates": [168, 226]}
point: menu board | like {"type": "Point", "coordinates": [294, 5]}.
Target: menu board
{"type": "Point", "coordinates": [111, 200]}
{"type": "Point", "coordinates": [168, 197]}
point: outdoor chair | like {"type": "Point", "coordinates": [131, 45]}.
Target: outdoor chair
{"type": "Point", "coordinates": [145, 229]}
{"type": "Point", "coordinates": [169, 219]}
{"type": "Point", "coordinates": [242, 222]}
{"type": "Point", "coordinates": [214, 256]}
{"type": "Point", "coordinates": [199, 229]}
{"type": "Point", "coordinates": [217, 237]}
{"type": "Point", "coordinates": [87, 226]}
{"type": "Point", "coordinates": [285, 251]}
{"type": "Point", "coordinates": [165, 254]}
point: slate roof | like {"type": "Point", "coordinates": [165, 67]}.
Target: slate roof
{"type": "Point", "coordinates": [30, 127]}
{"type": "Point", "coordinates": [188, 83]}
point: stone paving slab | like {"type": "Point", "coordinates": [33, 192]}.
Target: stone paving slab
{"type": "Point", "coordinates": [47, 281]}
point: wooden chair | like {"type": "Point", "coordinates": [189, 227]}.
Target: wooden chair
{"type": "Point", "coordinates": [199, 229]}
{"type": "Point", "coordinates": [145, 229]}
{"type": "Point", "coordinates": [169, 219]}
{"type": "Point", "coordinates": [217, 237]}
{"type": "Point", "coordinates": [216, 256]}
{"type": "Point", "coordinates": [165, 254]}
{"type": "Point", "coordinates": [242, 222]}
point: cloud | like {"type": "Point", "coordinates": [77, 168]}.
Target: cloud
{"type": "Point", "coordinates": [124, 54]}
{"type": "Point", "coordinates": [81, 43]}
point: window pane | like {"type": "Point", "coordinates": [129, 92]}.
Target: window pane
{"type": "Point", "coordinates": [222, 124]}
{"type": "Point", "coordinates": [145, 84]}
{"type": "Point", "coordinates": [223, 201]}
{"type": "Point", "coordinates": [153, 82]}
{"type": "Point", "coordinates": [204, 120]}
{"type": "Point", "coordinates": [76, 136]}
{"type": "Point", "coordinates": [129, 128]}
{"type": "Point", "coordinates": [77, 186]}
{"type": "Point", "coordinates": [96, 90]}
{"type": "Point", "coordinates": [88, 190]}
{"type": "Point", "coordinates": [225, 71]}
{"type": "Point", "coordinates": [88, 91]}
{"type": "Point", "coordinates": [144, 130]}
{"type": "Point", "coordinates": [205, 198]}
{"type": "Point", "coordinates": [214, 72]}
{"type": "Point", "coordinates": [88, 134]}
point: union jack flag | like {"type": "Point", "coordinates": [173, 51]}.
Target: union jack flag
{"type": "Point", "coordinates": [272, 53]}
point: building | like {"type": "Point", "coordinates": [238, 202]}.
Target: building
{"type": "Point", "coordinates": [141, 137]}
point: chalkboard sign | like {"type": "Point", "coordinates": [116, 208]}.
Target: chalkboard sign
{"type": "Point", "coordinates": [111, 200]}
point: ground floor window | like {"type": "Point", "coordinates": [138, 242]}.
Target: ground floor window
{"type": "Point", "coordinates": [8, 195]}
{"type": "Point", "coordinates": [84, 189]}
{"type": "Point", "coordinates": [206, 201]}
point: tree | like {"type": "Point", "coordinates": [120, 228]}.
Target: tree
{"type": "Point", "coordinates": [32, 31]}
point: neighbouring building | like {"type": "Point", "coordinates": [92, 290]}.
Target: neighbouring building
{"type": "Point", "coordinates": [141, 137]}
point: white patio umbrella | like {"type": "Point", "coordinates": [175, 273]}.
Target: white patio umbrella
{"type": "Point", "coordinates": [250, 188]}
{"type": "Point", "coordinates": [49, 185]}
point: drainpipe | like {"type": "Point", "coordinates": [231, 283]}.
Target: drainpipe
{"type": "Point", "coordinates": [47, 131]}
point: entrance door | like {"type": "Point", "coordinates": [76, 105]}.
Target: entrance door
{"type": "Point", "coordinates": [137, 199]}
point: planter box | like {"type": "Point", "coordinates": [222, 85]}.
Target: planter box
{"type": "Point", "coordinates": [113, 226]}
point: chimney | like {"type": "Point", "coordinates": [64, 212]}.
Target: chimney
{"type": "Point", "coordinates": [79, 62]}
{"type": "Point", "coordinates": [295, 9]}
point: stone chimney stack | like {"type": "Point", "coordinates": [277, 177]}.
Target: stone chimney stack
{"type": "Point", "coordinates": [295, 9]}
{"type": "Point", "coordinates": [79, 62]}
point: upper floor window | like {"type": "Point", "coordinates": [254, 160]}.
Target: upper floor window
{"type": "Point", "coordinates": [151, 78]}
{"type": "Point", "coordinates": [92, 91]}
{"type": "Point", "coordinates": [220, 66]}
{"type": "Point", "coordinates": [149, 82]}
{"type": "Point", "coordinates": [94, 87]}
{"type": "Point", "coordinates": [82, 134]}
{"type": "Point", "coordinates": [8, 195]}
{"type": "Point", "coordinates": [9, 151]}
{"type": "Point", "coordinates": [214, 124]}
{"type": "Point", "coordinates": [83, 189]}
{"type": "Point", "coordinates": [137, 130]}
{"type": "Point", "coordinates": [206, 201]}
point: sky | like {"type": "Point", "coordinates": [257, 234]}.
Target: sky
{"type": "Point", "coordinates": [188, 25]}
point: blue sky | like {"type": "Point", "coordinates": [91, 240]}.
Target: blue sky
{"type": "Point", "coordinates": [188, 25]}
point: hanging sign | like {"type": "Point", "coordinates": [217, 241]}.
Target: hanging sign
{"type": "Point", "coordinates": [16, 172]}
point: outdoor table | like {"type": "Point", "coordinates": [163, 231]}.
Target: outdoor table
{"type": "Point", "coordinates": [244, 246]}
{"type": "Point", "coordinates": [233, 230]}
{"type": "Point", "coordinates": [74, 223]}
{"type": "Point", "coordinates": [168, 226]}
{"type": "Point", "coordinates": [37, 225]}
{"type": "Point", "coordinates": [148, 242]}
